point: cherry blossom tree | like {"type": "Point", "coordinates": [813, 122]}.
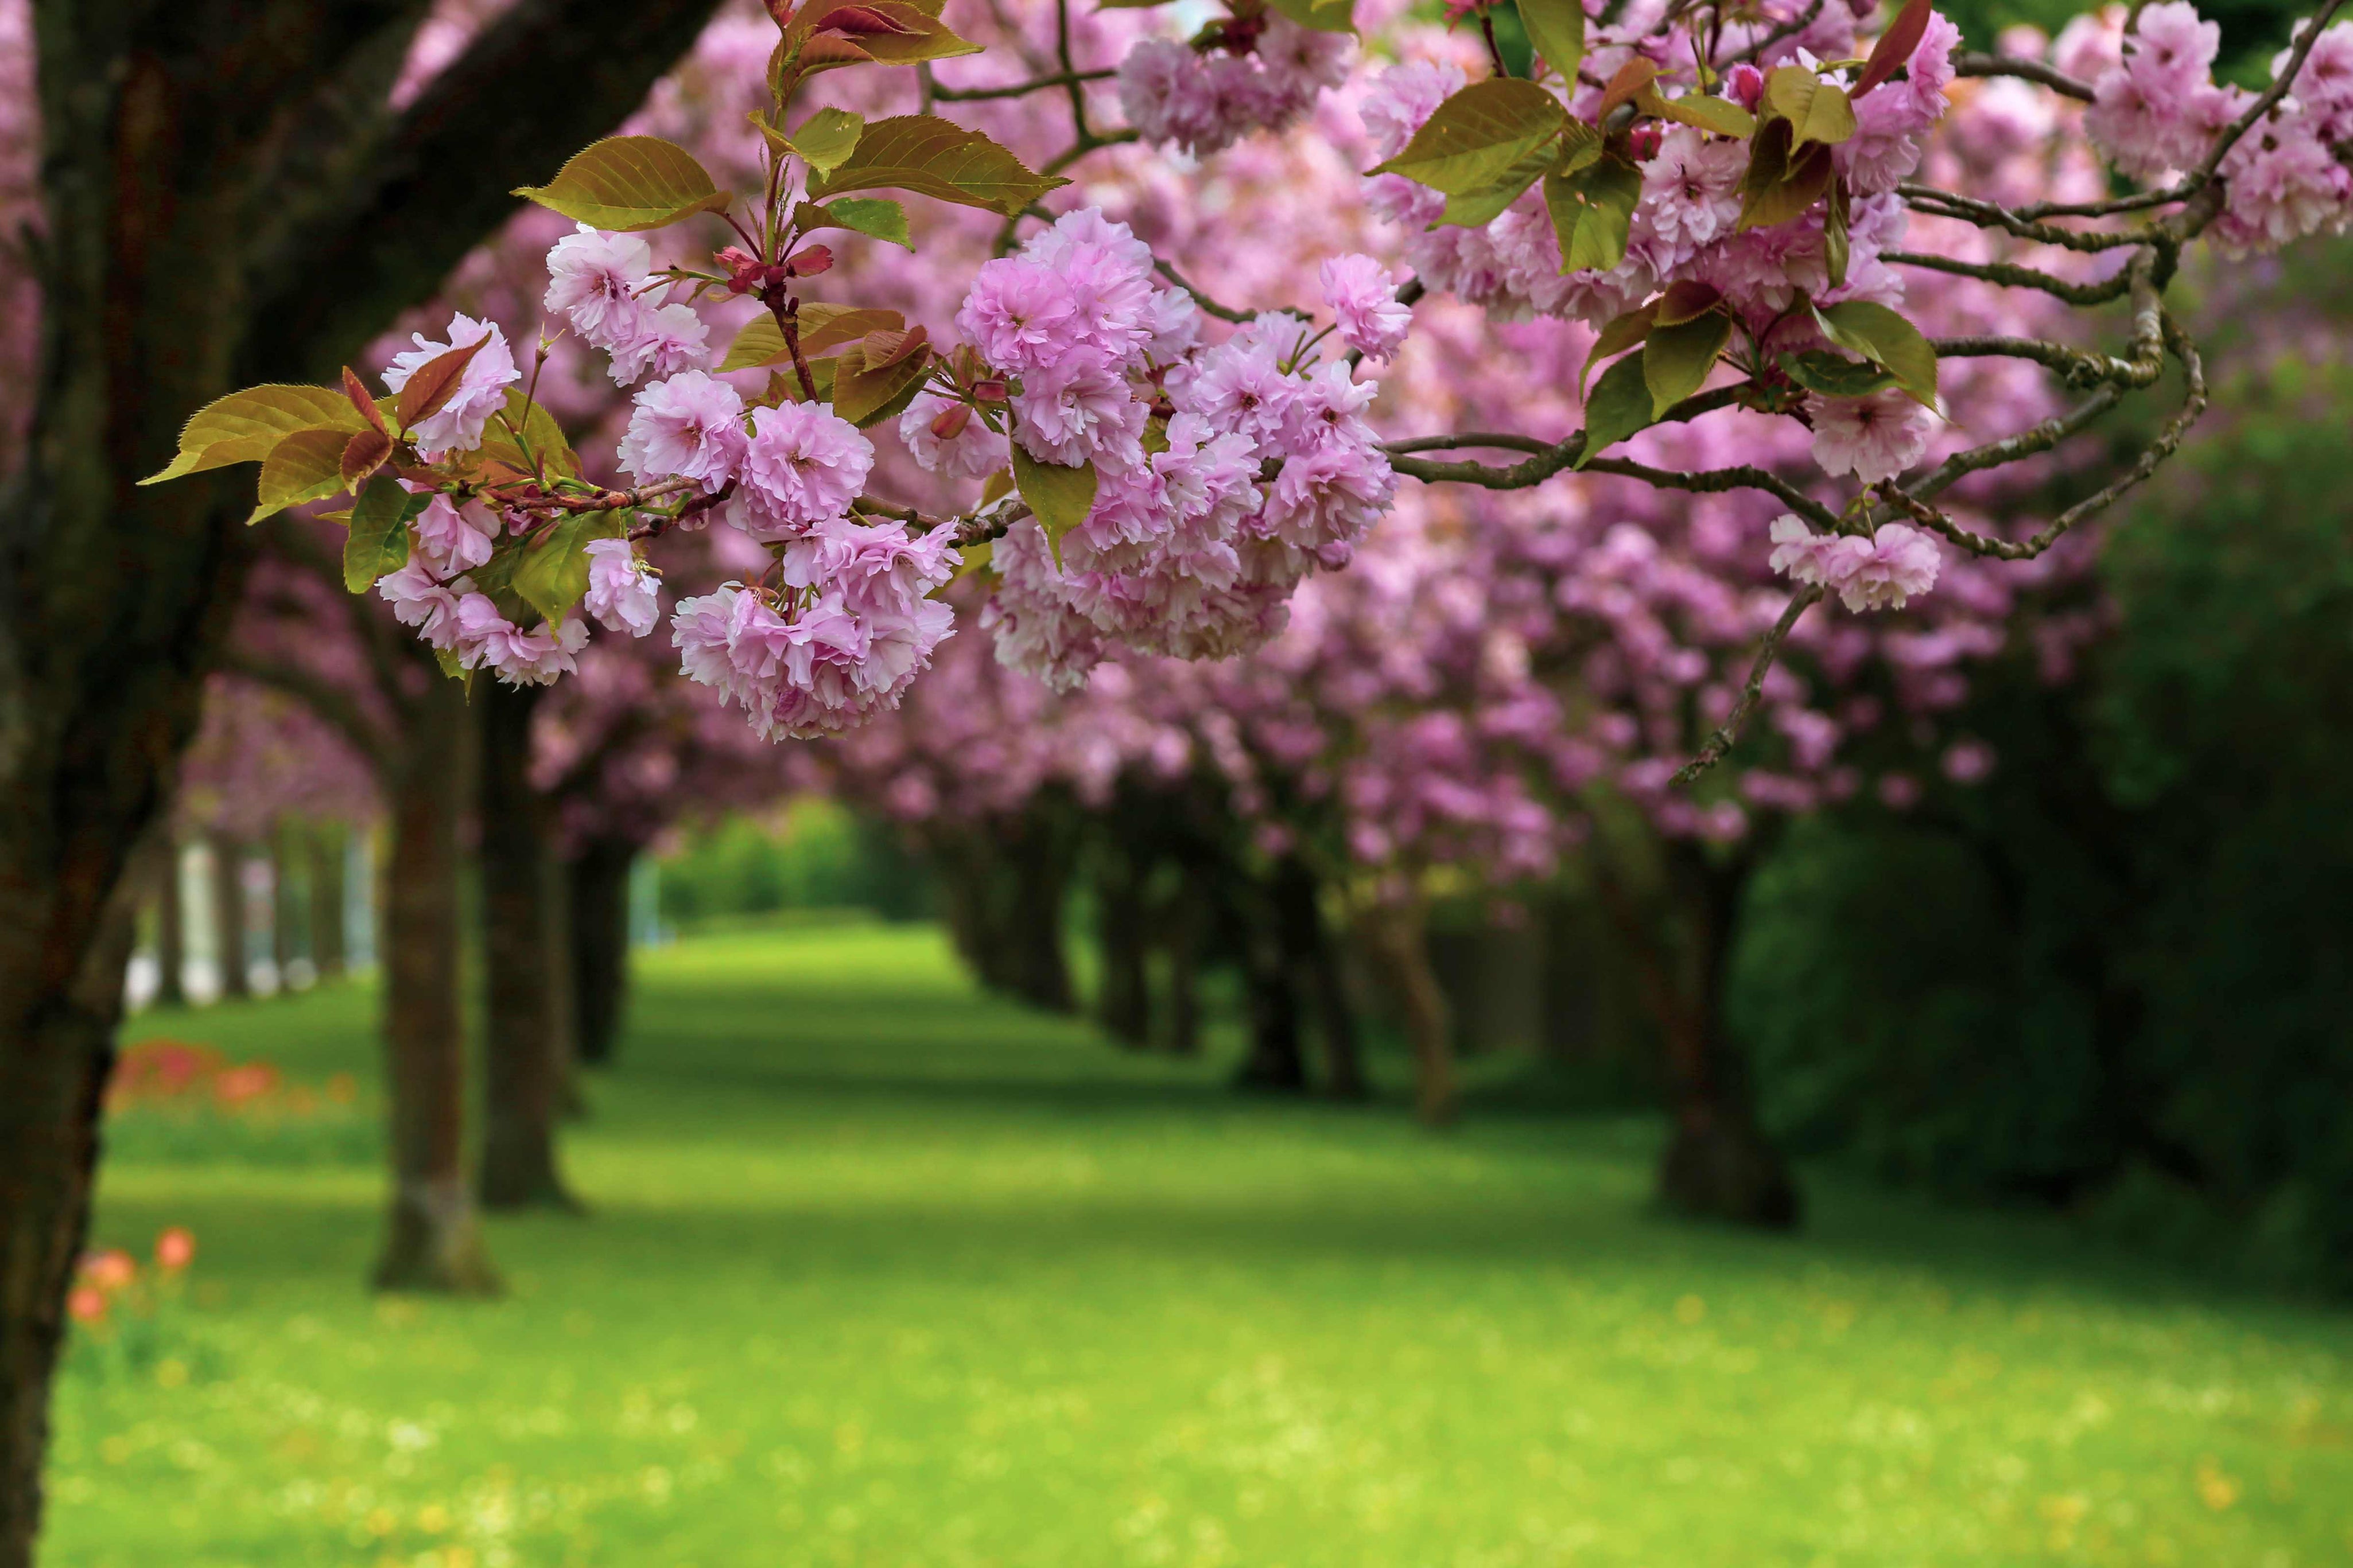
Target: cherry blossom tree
{"type": "Point", "coordinates": [1720, 197]}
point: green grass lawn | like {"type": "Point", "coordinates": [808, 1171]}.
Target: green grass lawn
{"type": "Point", "coordinates": [881, 1272]}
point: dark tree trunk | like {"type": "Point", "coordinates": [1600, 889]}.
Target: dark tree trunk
{"type": "Point", "coordinates": [1718, 1164]}
{"type": "Point", "coordinates": [1123, 1003]}
{"type": "Point", "coordinates": [523, 1051]}
{"type": "Point", "coordinates": [229, 201]}
{"type": "Point", "coordinates": [433, 1241]}
{"type": "Point", "coordinates": [1040, 853]}
{"type": "Point", "coordinates": [50, 1089]}
{"type": "Point", "coordinates": [1398, 936]}
{"type": "Point", "coordinates": [228, 915]}
{"type": "Point", "coordinates": [1311, 953]}
{"type": "Point", "coordinates": [1180, 935]}
{"type": "Point", "coordinates": [1270, 997]}
{"type": "Point", "coordinates": [597, 881]}
{"type": "Point", "coordinates": [170, 931]}
{"type": "Point", "coordinates": [327, 949]}
{"type": "Point", "coordinates": [285, 903]}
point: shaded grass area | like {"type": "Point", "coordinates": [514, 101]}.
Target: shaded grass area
{"type": "Point", "coordinates": [881, 1272]}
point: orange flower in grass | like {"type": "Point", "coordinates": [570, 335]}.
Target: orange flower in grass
{"type": "Point", "coordinates": [175, 1250]}
{"type": "Point", "coordinates": [110, 1270]}
{"type": "Point", "coordinates": [87, 1304]}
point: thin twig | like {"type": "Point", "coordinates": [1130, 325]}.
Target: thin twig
{"type": "Point", "coordinates": [1223, 312]}
{"type": "Point", "coordinates": [1018, 88]}
{"type": "Point", "coordinates": [1971, 63]}
{"type": "Point", "coordinates": [1720, 741]}
{"type": "Point", "coordinates": [2012, 276]}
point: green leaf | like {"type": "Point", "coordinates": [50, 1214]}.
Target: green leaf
{"type": "Point", "coordinates": [553, 575]}
{"type": "Point", "coordinates": [1477, 209]}
{"type": "Point", "coordinates": [823, 328]}
{"type": "Point", "coordinates": [926, 38]}
{"type": "Point", "coordinates": [1061, 498]}
{"type": "Point", "coordinates": [1478, 135]}
{"type": "Point", "coordinates": [1835, 243]}
{"type": "Point", "coordinates": [1720, 115]}
{"type": "Point", "coordinates": [1592, 211]}
{"type": "Point", "coordinates": [867, 398]}
{"type": "Point", "coordinates": [379, 537]}
{"type": "Point", "coordinates": [1819, 370]}
{"type": "Point", "coordinates": [1323, 16]}
{"type": "Point", "coordinates": [305, 466]}
{"type": "Point", "coordinates": [1618, 335]}
{"type": "Point", "coordinates": [1817, 110]}
{"type": "Point", "coordinates": [246, 427]}
{"type": "Point", "coordinates": [1777, 186]}
{"type": "Point", "coordinates": [1632, 80]}
{"type": "Point", "coordinates": [932, 157]}
{"type": "Point", "coordinates": [878, 217]}
{"type": "Point", "coordinates": [1621, 405]}
{"type": "Point", "coordinates": [1684, 300]}
{"type": "Point", "coordinates": [1676, 359]}
{"type": "Point", "coordinates": [827, 139]}
{"type": "Point", "coordinates": [539, 429]}
{"type": "Point", "coordinates": [1556, 28]}
{"type": "Point", "coordinates": [1885, 339]}
{"type": "Point", "coordinates": [629, 182]}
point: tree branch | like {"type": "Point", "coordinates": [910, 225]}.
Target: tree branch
{"type": "Point", "coordinates": [545, 79]}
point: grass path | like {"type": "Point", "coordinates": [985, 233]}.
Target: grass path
{"type": "Point", "coordinates": [883, 1273]}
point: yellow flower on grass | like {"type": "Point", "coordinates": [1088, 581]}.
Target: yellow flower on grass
{"type": "Point", "coordinates": [2216, 1489]}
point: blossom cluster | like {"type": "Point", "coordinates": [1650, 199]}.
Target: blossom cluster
{"type": "Point", "coordinates": [1882, 571]}
{"type": "Point", "coordinates": [1183, 551]}
{"type": "Point", "coordinates": [2157, 111]}
{"type": "Point", "coordinates": [1206, 95]}
{"type": "Point", "coordinates": [602, 285]}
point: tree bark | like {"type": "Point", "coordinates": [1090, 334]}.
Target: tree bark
{"type": "Point", "coordinates": [1270, 996]}
{"type": "Point", "coordinates": [170, 931]}
{"type": "Point", "coordinates": [1123, 1001]}
{"type": "Point", "coordinates": [433, 1240]}
{"type": "Point", "coordinates": [1180, 936]}
{"type": "Point", "coordinates": [1041, 854]}
{"type": "Point", "coordinates": [522, 1050]}
{"type": "Point", "coordinates": [1311, 955]}
{"type": "Point", "coordinates": [1718, 1163]}
{"type": "Point", "coordinates": [285, 904]}
{"type": "Point", "coordinates": [327, 937]}
{"type": "Point", "coordinates": [1399, 938]}
{"type": "Point", "coordinates": [598, 889]}
{"type": "Point", "coordinates": [229, 202]}
{"type": "Point", "coordinates": [228, 916]}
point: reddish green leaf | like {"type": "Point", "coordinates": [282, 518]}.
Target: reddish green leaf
{"type": "Point", "coordinates": [932, 157]}
{"type": "Point", "coordinates": [432, 384]}
{"type": "Point", "coordinates": [1895, 46]}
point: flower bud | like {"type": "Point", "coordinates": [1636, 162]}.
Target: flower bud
{"type": "Point", "coordinates": [951, 421]}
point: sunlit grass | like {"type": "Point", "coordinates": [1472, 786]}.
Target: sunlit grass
{"type": "Point", "coordinates": [882, 1273]}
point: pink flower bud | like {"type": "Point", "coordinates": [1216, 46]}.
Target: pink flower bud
{"type": "Point", "coordinates": [951, 421]}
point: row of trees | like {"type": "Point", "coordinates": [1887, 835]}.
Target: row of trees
{"type": "Point", "coordinates": [1501, 686]}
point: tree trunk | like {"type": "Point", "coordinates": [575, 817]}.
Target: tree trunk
{"type": "Point", "coordinates": [598, 881]}
{"type": "Point", "coordinates": [171, 931]}
{"type": "Point", "coordinates": [327, 852]}
{"type": "Point", "coordinates": [1311, 954]}
{"type": "Point", "coordinates": [1040, 855]}
{"type": "Point", "coordinates": [433, 1241]}
{"type": "Point", "coordinates": [1399, 938]}
{"type": "Point", "coordinates": [285, 906]}
{"type": "Point", "coordinates": [228, 915]}
{"type": "Point", "coordinates": [229, 201]}
{"type": "Point", "coordinates": [1270, 996]}
{"type": "Point", "coordinates": [1123, 1003]}
{"type": "Point", "coordinates": [1180, 934]}
{"type": "Point", "coordinates": [523, 1052]}
{"type": "Point", "coordinates": [1718, 1164]}
{"type": "Point", "coordinates": [563, 1020]}
{"type": "Point", "coordinates": [49, 1099]}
